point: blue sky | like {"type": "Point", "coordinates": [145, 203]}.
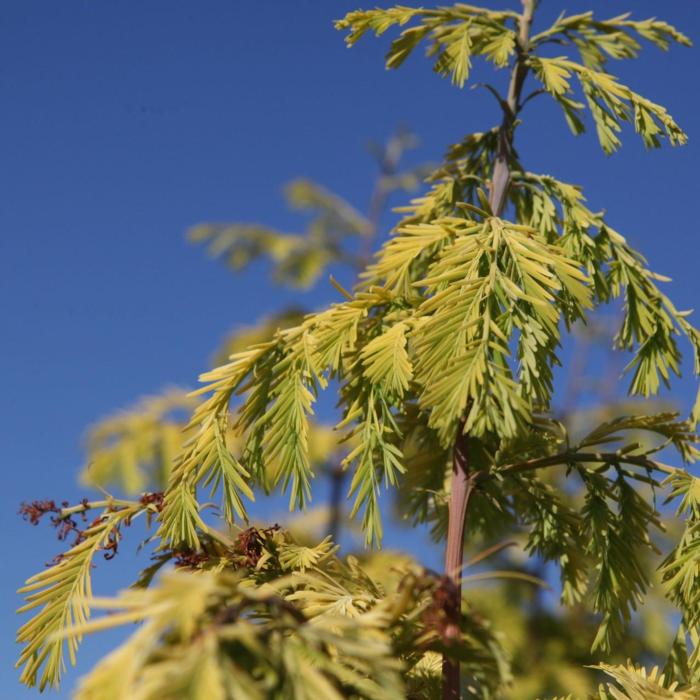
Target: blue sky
{"type": "Point", "coordinates": [123, 123]}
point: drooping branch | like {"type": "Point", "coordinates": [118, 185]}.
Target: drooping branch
{"type": "Point", "coordinates": [567, 458]}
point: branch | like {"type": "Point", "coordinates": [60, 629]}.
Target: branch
{"type": "Point", "coordinates": [570, 458]}
{"type": "Point", "coordinates": [502, 102]}
{"type": "Point", "coordinates": [531, 96]}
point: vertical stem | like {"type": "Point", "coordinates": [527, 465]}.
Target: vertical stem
{"type": "Point", "coordinates": [462, 486]}
{"type": "Point", "coordinates": [461, 490]}
{"type": "Point", "coordinates": [463, 480]}
{"type": "Point", "coordinates": [500, 180]}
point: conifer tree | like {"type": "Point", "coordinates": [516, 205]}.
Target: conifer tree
{"type": "Point", "coordinates": [442, 359]}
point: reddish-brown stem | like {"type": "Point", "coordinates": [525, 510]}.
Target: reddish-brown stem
{"type": "Point", "coordinates": [461, 490]}
{"type": "Point", "coordinates": [464, 481]}
{"type": "Point", "coordinates": [500, 179]}
{"type": "Point", "coordinates": [462, 486]}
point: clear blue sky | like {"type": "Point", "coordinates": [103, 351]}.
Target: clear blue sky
{"type": "Point", "coordinates": [123, 123]}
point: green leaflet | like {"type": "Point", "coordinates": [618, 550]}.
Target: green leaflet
{"type": "Point", "coordinates": [615, 545]}
{"type": "Point", "coordinates": [651, 322]}
{"type": "Point", "coordinates": [376, 458]}
{"type": "Point", "coordinates": [60, 596]}
{"type": "Point", "coordinates": [394, 264]}
{"type": "Point", "coordinates": [492, 277]}
{"type": "Point", "coordinates": [635, 683]}
{"type": "Point", "coordinates": [287, 438]}
{"type": "Point", "coordinates": [597, 40]}
{"type": "Point", "coordinates": [386, 361]}
{"type": "Point", "coordinates": [610, 103]}
{"type": "Point", "coordinates": [454, 35]}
